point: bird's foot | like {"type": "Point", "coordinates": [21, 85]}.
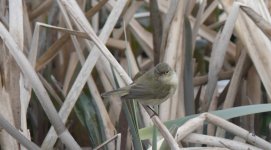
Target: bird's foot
{"type": "Point", "coordinates": [154, 112]}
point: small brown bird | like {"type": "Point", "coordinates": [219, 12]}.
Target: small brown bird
{"type": "Point", "coordinates": [152, 88]}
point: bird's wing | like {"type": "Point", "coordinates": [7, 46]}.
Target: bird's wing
{"type": "Point", "coordinates": [120, 92]}
{"type": "Point", "coordinates": [141, 91]}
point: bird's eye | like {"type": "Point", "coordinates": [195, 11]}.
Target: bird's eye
{"type": "Point", "coordinates": [166, 72]}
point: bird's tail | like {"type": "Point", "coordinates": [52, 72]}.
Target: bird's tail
{"type": "Point", "coordinates": [120, 92]}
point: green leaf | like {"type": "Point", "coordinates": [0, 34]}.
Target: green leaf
{"type": "Point", "coordinates": [85, 111]}
{"type": "Point", "coordinates": [133, 128]}
{"type": "Point", "coordinates": [188, 69]}
{"type": "Point", "coordinates": [146, 133]}
{"type": "Point", "coordinates": [130, 110]}
{"type": "Point", "coordinates": [173, 130]}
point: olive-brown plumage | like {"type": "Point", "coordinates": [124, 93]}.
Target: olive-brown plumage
{"type": "Point", "coordinates": [152, 88]}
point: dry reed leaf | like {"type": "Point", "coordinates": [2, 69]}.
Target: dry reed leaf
{"type": "Point", "coordinates": [143, 37]}
{"type": "Point", "coordinates": [179, 48]}
{"type": "Point", "coordinates": [257, 44]}
{"type": "Point", "coordinates": [50, 53]}
{"type": "Point", "coordinates": [4, 20]}
{"type": "Point", "coordinates": [128, 16]}
{"type": "Point", "coordinates": [217, 24]}
{"type": "Point", "coordinates": [25, 85]}
{"type": "Point", "coordinates": [70, 72]}
{"type": "Point", "coordinates": [134, 70]}
{"type": "Point", "coordinates": [76, 14]}
{"type": "Point", "coordinates": [248, 121]}
{"type": "Point", "coordinates": [40, 91]}
{"type": "Point", "coordinates": [6, 140]}
{"type": "Point", "coordinates": [131, 60]}
{"type": "Point", "coordinates": [2, 7]}
{"type": "Point", "coordinates": [173, 56]}
{"type": "Point", "coordinates": [15, 135]}
{"type": "Point", "coordinates": [239, 71]}
{"type": "Point", "coordinates": [115, 102]}
{"type": "Point", "coordinates": [116, 137]}
{"type": "Point", "coordinates": [166, 25]}
{"type": "Point", "coordinates": [108, 83]}
{"type": "Point", "coordinates": [108, 126]}
{"type": "Point", "coordinates": [241, 66]}
{"type": "Point", "coordinates": [258, 20]}
{"type": "Point", "coordinates": [254, 95]}
{"type": "Point", "coordinates": [65, 30]}
{"type": "Point", "coordinates": [163, 5]}
{"type": "Point", "coordinates": [18, 96]}
{"type": "Point", "coordinates": [223, 75]}
{"type": "Point", "coordinates": [218, 55]}
{"type": "Point", "coordinates": [190, 6]}
{"type": "Point", "coordinates": [198, 22]}
{"type": "Point", "coordinates": [95, 8]}
{"type": "Point", "coordinates": [254, 86]}
{"type": "Point", "coordinates": [16, 22]}
{"type": "Point", "coordinates": [50, 89]}
{"type": "Point", "coordinates": [3, 15]}
{"type": "Point", "coordinates": [89, 63]}
{"type": "Point", "coordinates": [95, 19]}
{"type": "Point", "coordinates": [157, 29]}
{"type": "Point", "coordinates": [17, 33]}
{"type": "Point", "coordinates": [53, 50]}
{"type": "Point", "coordinates": [40, 9]}
{"type": "Point", "coordinates": [27, 27]}
{"type": "Point", "coordinates": [82, 23]}
{"type": "Point", "coordinates": [32, 56]}
{"type": "Point", "coordinates": [210, 35]}
{"type": "Point", "coordinates": [115, 43]}
{"type": "Point", "coordinates": [208, 11]}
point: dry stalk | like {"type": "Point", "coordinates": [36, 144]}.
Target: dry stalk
{"type": "Point", "coordinates": [17, 135]}
{"type": "Point", "coordinates": [89, 63]}
{"type": "Point", "coordinates": [39, 89]}
{"type": "Point", "coordinates": [191, 125]}
{"type": "Point", "coordinates": [204, 148]}
{"type": "Point", "coordinates": [236, 79]}
{"type": "Point", "coordinates": [108, 126]}
{"type": "Point", "coordinates": [76, 13]}
{"type": "Point", "coordinates": [256, 43]}
{"type": "Point", "coordinates": [40, 9]}
{"type": "Point", "coordinates": [162, 128]}
{"type": "Point", "coordinates": [117, 137]}
{"type": "Point", "coordinates": [218, 142]}
{"type": "Point", "coordinates": [53, 50]}
{"type": "Point", "coordinates": [15, 91]}
{"type": "Point", "coordinates": [258, 20]}
{"type": "Point", "coordinates": [200, 80]}
{"type": "Point", "coordinates": [230, 127]}
{"type": "Point", "coordinates": [218, 55]}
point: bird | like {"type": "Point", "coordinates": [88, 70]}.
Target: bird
{"type": "Point", "coordinates": [152, 88]}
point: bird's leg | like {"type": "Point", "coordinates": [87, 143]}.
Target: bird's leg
{"type": "Point", "coordinates": [154, 112]}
